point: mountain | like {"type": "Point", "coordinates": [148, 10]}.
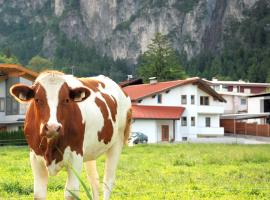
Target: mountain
{"type": "Point", "coordinates": [101, 33]}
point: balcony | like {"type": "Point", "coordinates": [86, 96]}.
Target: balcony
{"type": "Point", "coordinates": [210, 131]}
{"type": "Point", "coordinates": [210, 109]}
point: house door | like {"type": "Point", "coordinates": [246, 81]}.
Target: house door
{"type": "Point", "coordinates": [165, 133]}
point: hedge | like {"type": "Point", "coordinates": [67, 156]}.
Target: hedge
{"type": "Point", "coordinates": [12, 138]}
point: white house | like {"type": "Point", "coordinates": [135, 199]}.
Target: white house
{"type": "Point", "coordinates": [176, 110]}
{"type": "Point", "coordinates": [236, 93]}
{"type": "Point", "coordinates": [260, 104]}
{"type": "Point", "coordinates": [11, 112]}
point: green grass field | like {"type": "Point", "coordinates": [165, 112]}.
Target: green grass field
{"type": "Point", "coordinates": [183, 171]}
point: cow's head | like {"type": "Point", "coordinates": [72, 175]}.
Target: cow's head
{"type": "Point", "coordinates": [53, 101]}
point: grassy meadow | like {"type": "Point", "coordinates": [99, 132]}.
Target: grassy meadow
{"type": "Point", "coordinates": [182, 171]}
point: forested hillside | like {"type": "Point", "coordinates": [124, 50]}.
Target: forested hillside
{"type": "Point", "coordinates": [246, 51]}
{"type": "Point", "coordinates": [228, 39]}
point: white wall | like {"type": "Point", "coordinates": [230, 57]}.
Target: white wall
{"type": "Point", "coordinates": [159, 124]}
{"type": "Point", "coordinates": [254, 105]}
{"type": "Point", "coordinates": [148, 127]}
{"type": "Point", "coordinates": [233, 104]}
{"type": "Point", "coordinates": [2, 95]}
{"type": "Point", "coordinates": [23, 107]}
{"type": "Point", "coordinates": [173, 98]}
{"type": "Point", "coordinates": [2, 89]}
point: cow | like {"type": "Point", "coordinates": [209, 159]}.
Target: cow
{"type": "Point", "coordinates": [71, 121]}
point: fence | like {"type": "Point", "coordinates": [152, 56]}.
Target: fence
{"type": "Point", "coordinates": [12, 138]}
{"type": "Point", "coordinates": [244, 128]}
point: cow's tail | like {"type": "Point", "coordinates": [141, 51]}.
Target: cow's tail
{"type": "Point", "coordinates": [128, 126]}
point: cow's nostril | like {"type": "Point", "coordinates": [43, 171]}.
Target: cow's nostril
{"type": "Point", "coordinates": [46, 127]}
{"type": "Point", "coordinates": [58, 129]}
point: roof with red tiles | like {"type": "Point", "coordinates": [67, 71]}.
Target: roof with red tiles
{"type": "Point", "coordinates": [137, 92]}
{"type": "Point", "coordinates": [156, 112]}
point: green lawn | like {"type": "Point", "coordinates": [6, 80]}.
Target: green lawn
{"type": "Point", "coordinates": [184, 171]}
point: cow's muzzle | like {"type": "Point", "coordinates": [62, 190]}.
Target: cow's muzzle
{"type": "Point", "coordinates": [52, 129]}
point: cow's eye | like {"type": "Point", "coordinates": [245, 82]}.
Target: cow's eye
{"type": "Point", "coordinates": [66, 101]}
{"type": "Point", "coordinates": [37, 100]}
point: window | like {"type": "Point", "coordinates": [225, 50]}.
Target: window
{"type": "Point", "coordinates": [2, 104]}
{"type": "Point", "coordinates": [192, 99]}
{"type": "Point", "coordinates": [192, 121]}
{"type": "Point", "coordinates": [243, 102]}
{"type": "Point", "coordinates": [159, 98]}
{"type": "Point", "coordinates": [204, 100]}
{"type": "Point", "coordinates": [183, 121]}
{"type": "Point", "coordinates": [207, 122]}
{"type": "Point", "coordinates": [12, 106]}
{"type": "Point", "coordinates": [183, 99]}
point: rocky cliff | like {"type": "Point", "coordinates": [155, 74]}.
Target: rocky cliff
{"type": "Point", "coordinates": [116, 28]}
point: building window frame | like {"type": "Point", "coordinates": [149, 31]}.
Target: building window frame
{"type": "Point", "coordinates": [204, 100]}
{"type": "Point", "coordinates": [184, 121]}
{"type": "Point", "coordinates": [192, 99]}
{"type": "Point", "coordinates": [207, 121]}
{"type": "Point", "coordinates": [193, 121]}
{"type": "Point", "coordinates": [243, 101]}
{"type": "Point", "coordinates": [184, 99]}
{"type": "Point", "coordinates": [2, 104]}
{"type": "Point", "coordinates": [159, 98]}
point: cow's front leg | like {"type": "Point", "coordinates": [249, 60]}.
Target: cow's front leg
{"type": "Point", "coordinates": [73, 182]}
{"type": "Point", "coordinates": [40, 174]}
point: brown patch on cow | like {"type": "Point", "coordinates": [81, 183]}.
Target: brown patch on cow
{"type": "Point", "coordinates": [37, 113]}
{"type": "Point", "coordinates": [128, 126]}
{"type": "Point", "coordinates": [92, 83]}
{"type": "Point", "coordinates": [112, 104]}
{"type": "Point", "coordinates": [107, 130]}
{"type": "Point", "coordinates": [68, 114]}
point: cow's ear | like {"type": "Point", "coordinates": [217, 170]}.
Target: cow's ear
{"type": "Point", "coordinates": [79, 94]}
{"type": "Point", "coordinates": [22, 93]}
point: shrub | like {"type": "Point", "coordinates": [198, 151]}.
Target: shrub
{"type": "Point", "coordinates": [12, 138]}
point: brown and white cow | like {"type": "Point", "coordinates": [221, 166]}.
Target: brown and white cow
{"type": "Point", "coordinates": [70, 121]}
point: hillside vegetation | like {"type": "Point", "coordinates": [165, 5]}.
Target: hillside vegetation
{"type": "Point", "coordinates": [225, 39]}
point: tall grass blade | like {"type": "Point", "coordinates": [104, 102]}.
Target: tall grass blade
{"type": "Point", "coordinates": [85, 188]}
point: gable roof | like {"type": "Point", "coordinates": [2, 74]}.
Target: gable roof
{"type": "Point", "coordinates": [265, 94]}
{"type": "Point", "coordinates": [14, 70]}
{"type": "Point", "coordinates": [126, 83]}
{"type": "Point", "coordinates": [157, 112]}
{"type": "Point", "coordinates": [138, 92]}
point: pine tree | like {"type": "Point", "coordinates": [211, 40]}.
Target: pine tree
{"type": "Point", "coordinates": [160, 61]}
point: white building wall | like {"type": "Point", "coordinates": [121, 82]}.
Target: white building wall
{"type": "Point", "coordinates": [159, 124]}
{"type": "Point", "coordinates": [2, 95]}
{"type": "Point", "coordinates": [148, 127]}
{"type": "Point", "coordinates": [23, 107]}
{"type": "Point", "coordinates": [173, 98]}
{"type": "Point", "coordinates": [233, 104]}
{"type": "Point", "coordinates": [254, 105]}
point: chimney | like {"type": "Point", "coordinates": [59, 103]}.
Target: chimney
{"type": "Point", "coordinates": [129, 77]}
{"type": "Point", "coordinates": [153, 80]}
{"type": "Point", "coordinates": [214, 79]}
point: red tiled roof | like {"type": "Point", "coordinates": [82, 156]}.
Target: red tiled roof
{"type": "Point", "coordinates": [137, 92]}
{"type": "Point", "coordinates": [156, 112]}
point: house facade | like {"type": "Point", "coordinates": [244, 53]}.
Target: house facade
{"type": "Point", "coordinates": [236, 93]}
{"type": "Point", "coordinates": [260, 104]}
{"type": "Point", "coordinates": [176, 110]}
{"type": "Point", "coordinates": [11, 112]}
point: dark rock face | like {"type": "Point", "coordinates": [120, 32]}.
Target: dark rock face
{"type": "Point", "coordinates": [120, 28]}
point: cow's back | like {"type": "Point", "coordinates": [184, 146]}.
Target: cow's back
{"type": "Point", "coordinates": [106, 114]}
